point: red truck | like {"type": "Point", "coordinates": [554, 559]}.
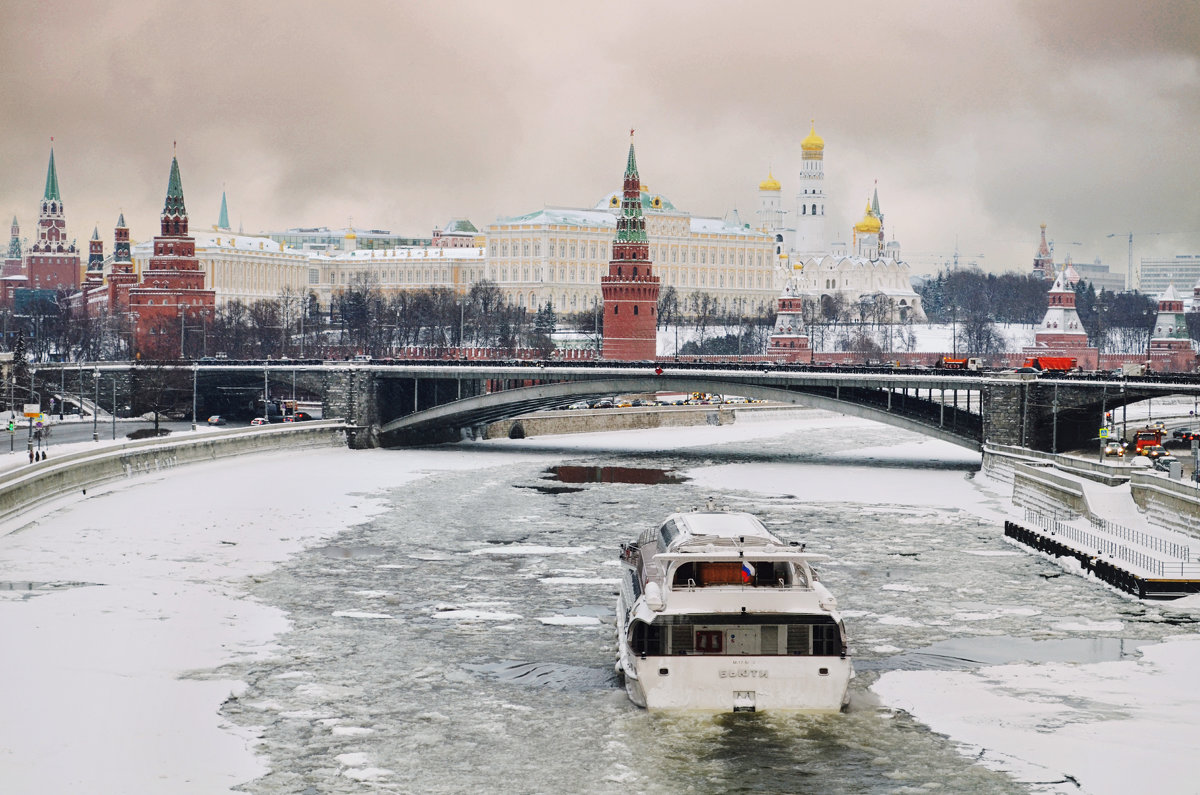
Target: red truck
{"type": "Point", "coordinates": [1146, 437]}
{"type": "Point", "coordinates": [1051, 363]}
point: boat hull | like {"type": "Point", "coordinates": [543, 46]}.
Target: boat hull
{"type": "Point", "coordinates": [731, 683]}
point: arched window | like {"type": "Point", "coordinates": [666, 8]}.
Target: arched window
{"type": "Point", "coordinates": [814, 209]}
{"type": "Point", "coordinates": [616, 310]}
{"type": "Point", "coordinates": [635, 309]}
{"type": "Point", "coordinates": [804, 209]}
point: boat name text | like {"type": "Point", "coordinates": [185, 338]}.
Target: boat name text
{"type": "Point", "coordinates": [747, 673]}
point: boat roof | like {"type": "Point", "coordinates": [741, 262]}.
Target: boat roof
{"type": "Point", "coordinates": [722, 524]}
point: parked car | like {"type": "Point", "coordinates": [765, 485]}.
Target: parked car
{"type": "Point", "coordinates": [1114, 448]}
{"type": "Point", "coordinates": [1163, 463]}
{"type": "Point", "coordinates": [217, 419]}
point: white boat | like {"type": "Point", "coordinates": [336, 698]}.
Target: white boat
{"type": "Point", "coordinates": [715, 613]}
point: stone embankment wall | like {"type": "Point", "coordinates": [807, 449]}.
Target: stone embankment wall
{"type": "Point", "coordinates": [636, 418]}
{"type": "Point", "coordinates": [1168, 503]}
{"type": "Point", "coordinates": [28, 486]}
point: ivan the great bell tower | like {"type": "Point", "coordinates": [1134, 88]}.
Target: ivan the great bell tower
{"type": "Point", "coordinates": [630, 289]}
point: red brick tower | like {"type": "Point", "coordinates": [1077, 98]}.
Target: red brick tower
{"type": "Point", "coordinates": [52, 261]}
{"type": "Point", "coordinates": [630, 289]}
{"type": "Point", "coordinates": [13, 262]}
{"type": "Point", "coordinates": [122, 277]}
{"type": "Point", "coordinates": [171, 296]}
{"type": "Point", "coordinates": [94, 276]}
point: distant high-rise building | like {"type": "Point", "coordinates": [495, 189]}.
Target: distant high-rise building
{"type": "Point", "coordinates": [1157, 273]}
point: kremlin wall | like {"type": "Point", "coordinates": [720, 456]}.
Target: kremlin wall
{"type": "Point", "coordinates": [615, 257]}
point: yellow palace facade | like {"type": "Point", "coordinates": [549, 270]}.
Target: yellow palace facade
{"type": "Point", "coordinates": [556, 255]}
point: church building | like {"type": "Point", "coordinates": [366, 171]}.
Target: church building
{"type": "Point", "coordinates": [825, 272]}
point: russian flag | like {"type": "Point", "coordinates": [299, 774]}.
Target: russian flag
{"type": "Point", "coordinates": [747, 571]}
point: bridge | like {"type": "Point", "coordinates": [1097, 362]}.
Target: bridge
{"type": "Point", "coordinates": [414, 402]}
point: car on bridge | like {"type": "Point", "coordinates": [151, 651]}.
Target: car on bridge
{"type": "Point", "coordinates": [1155, 451]}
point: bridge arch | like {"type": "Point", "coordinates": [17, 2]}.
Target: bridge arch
{"type": "Point", "coordinates": [482, 410]}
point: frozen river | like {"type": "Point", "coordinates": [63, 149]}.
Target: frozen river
{"type": "Point", "coordinates": [441, 621]}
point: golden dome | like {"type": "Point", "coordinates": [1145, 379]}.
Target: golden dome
{"type": "Point", "coordinates": [869, 225]}
{"type": "Point", "coordinates": [814, 142]}
{"type": "Point", "coordinates": [770, 183]}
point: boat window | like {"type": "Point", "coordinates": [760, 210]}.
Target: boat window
{"type": "Point", "coordinates": [647, 638]}
{"type": "Point", "coordinates": [702, 574]}
{"type": "Point", "coordinates": [799, 639]}
{"type": "Point", "coordinates": [827, 640]}
{"type": "Point", "coordinates": [682, 639]}
{"type": "Point", "coordinates": [696, 634]}
{"type": "Point", "coordinates": [667, 534]}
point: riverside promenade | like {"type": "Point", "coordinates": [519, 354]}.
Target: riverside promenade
{"type": "Point", "coordinates": [1134, 529]}
{"type": "Point", "coordinates": [79, 466]}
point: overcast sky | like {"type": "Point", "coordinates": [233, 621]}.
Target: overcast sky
{"type": "Point", "coordinates": [978, 120]}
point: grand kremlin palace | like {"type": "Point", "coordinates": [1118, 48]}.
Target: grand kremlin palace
{"type": "Point", "coordinates": [554, 255]}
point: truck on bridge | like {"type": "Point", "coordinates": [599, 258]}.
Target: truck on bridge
{"type": "Point", "coordinates": [1060, 364]}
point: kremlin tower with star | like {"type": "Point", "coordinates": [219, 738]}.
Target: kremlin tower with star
{"type": "Point", "coordinates": [630, 289]}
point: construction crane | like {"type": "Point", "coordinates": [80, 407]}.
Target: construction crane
{"type": "Point", "coordinates": [1129, 266]}
{"type": "Point", "coordinates": [940, 259]}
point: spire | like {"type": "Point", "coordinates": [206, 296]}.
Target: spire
{"type": "Point", "coordinates": [96, 233]}
{"type": "Point", "coordinates": [121, 221]}
{"type": "Point", "coordinates": [174, 204]}
{"type": "Point", "coordinates": [52, 181]}
{"type": "Point", "coordinates": [631, 226]}
{"type": "Point", "coordinates": [875, 202]}
{"type": "Point", "coordinates": [223, 219]}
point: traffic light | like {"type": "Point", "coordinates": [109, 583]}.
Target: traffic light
{"type": "Point", "coordinates": [12, 426]}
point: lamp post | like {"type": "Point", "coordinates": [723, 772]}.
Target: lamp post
{"type": "Point", "coordinates": [32, 395]}
{"type": "Point", "coordinates": [114, 408]}
{"type": "Point", "coordinates": [95, 403]}
{"type": "Point", "coordinates": [195, 372]}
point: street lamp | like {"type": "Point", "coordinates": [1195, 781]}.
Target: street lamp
{"type": "Point", "coordinates": [95, 403]}
{"type": "Point", "coordinates": [195, 371]}
{"type": "Point", "coordinates": [114, 408]}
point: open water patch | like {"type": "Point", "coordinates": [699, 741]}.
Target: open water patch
{"type": "Point", "coordinates": [642, 476]}
{"type": "Point", "coordinates": [34, 586]}
{"type": "Point", "coordinates": [555, 676]}
{"type": "Point", "coordinates": [347, 552]}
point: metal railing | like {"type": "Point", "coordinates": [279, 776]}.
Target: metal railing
{"type": "Point", "coordinates": [1106, 547]}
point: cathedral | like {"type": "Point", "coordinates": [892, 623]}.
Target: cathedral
{"type": "Point", "coordinates": [868, 270]}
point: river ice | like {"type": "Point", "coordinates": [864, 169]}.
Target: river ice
{"type": "Point", "coordinates": [435, 621]}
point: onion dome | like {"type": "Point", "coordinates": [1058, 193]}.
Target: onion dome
{"type": "Point", "coordinates": [770, 183]}
{"type": "Point", "coordinates": [869, 225]}
{"type": "Point", "coordinates": [814, 142]}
